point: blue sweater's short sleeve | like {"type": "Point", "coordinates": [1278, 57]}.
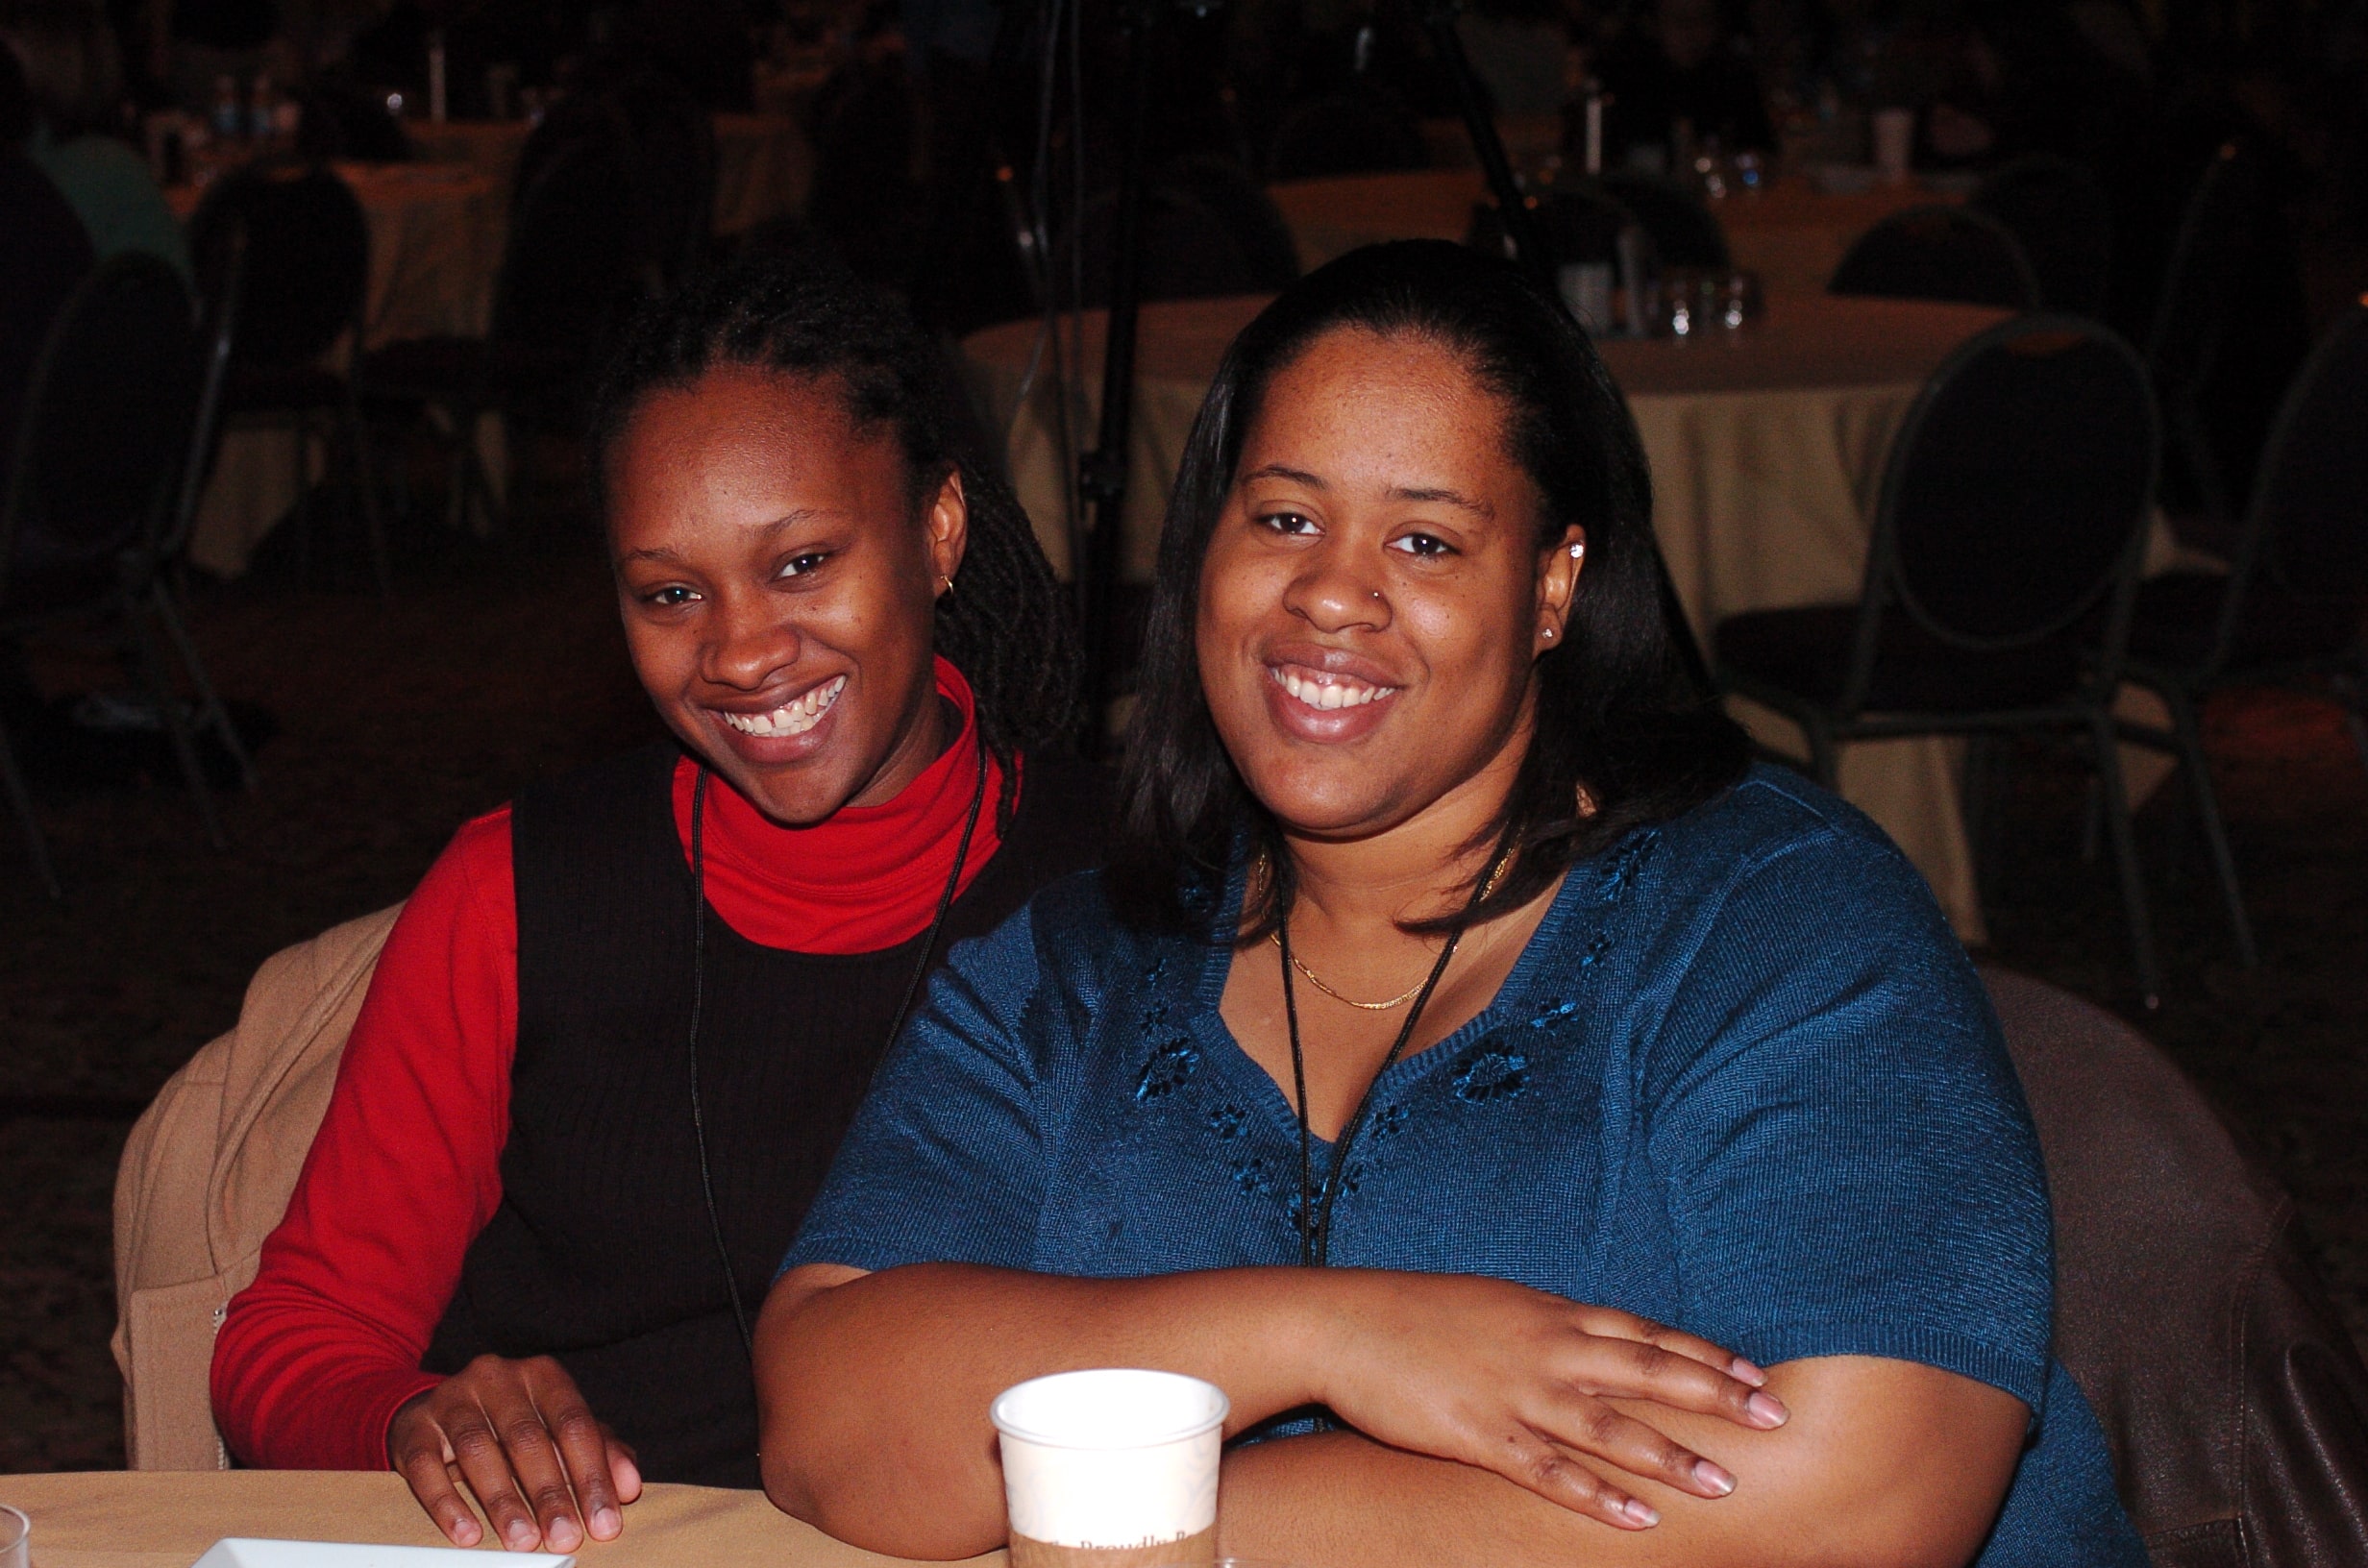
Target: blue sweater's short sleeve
{"type": "Point", "coordinates": [1841, 1136]}
{"type": "Point", "coordinates": [943, 1162]}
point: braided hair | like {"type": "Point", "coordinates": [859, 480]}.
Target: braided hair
{"type": "Point", "coordinates": [1007, 628]}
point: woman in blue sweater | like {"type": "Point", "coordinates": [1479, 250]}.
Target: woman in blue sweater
{"type": "Point", "coordinates": [1462, 1011]}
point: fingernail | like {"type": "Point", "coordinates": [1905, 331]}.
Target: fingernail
{"type": "Point", "coordinates": [466, 1533]}
{"type": "Point", "coordinates": [1640, 1513]}
{"type": "Point", "coordinates": [1768, 1411]}
{"type": "Point", "coordinates": [1712, 1477]}
{"type": "Point", "coordinates": [1746, 1372]}
{"type": "Point", "coordinates": [520, 1535]}
{"type": "Point", "coordinates": [605, 1523]}
{"type": "Point", "coordinates": [562, 1535]}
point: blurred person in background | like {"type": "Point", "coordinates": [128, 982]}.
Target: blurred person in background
{"type": "Point", "coordinates": [44, 251]}
{"type": "Point", "coordinates": [1680, 71]}
{"type": "Point", "coordinates": [192, 44]}
{"type": "Point", "coordinates": [74, 80]}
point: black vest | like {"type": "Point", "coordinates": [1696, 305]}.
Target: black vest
{"type": "Point", "coordinates": [601, 1252]}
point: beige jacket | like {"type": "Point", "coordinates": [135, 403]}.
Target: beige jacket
{"type": "Point", "coordinates": [206, 1176]}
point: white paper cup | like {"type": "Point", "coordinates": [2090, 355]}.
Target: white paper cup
{"type": "Point", "coordinates": [1111, 1468]}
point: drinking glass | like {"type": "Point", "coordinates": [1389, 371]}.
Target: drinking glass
{"type": "Point", "coordinates": [16, 1538]}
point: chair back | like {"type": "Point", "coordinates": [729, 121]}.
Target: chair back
{"type": "Point", "coordinates": [2232, 1398]}
{"type": "Point", "coordinates": [343, 119]}
{"type": "Point", "coordinates": [2018, 489]}
{"type": "Point", "coordinates": [1358, 132]}
{"type": "Point", "coordinates": [665, 143]}
{"type": "Point", "coordinates": [2311, 504]}
{"type": "Point", "coordinates": [1234, 197]}
{"type": "Point", "coordinates": [306, 266]}
{"type": "Point", "coordinates": [1192, 248]}
{"type": "Point", "coordinates": [2057, 211]}
{"type": "Point", "coordinates": [1579, 224]}
{"type": "Point", "coordinates": [571, 272]}
{"type": "Point", "coordinates": [102, 437]}
{"type": "Point", "coordinates": [2207, 266]}
{"type": "Point", "coordinates": [1951, 254]}
{"type": "Point", "coordinates": [1681, 227]}
{"type": "Point", "coordinates": [218, 332]}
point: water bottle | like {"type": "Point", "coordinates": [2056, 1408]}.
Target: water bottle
{"type": "Point", "coordinates": [226, 119]}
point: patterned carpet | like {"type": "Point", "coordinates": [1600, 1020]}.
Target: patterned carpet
{"type": "Point", "coordinates": [398, 720]}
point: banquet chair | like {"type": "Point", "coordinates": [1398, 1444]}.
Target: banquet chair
{"type": "Point", "coordinates": [2012, 506]}
{"type": "Point", "coordinates": [571, 273]}
{"type": "Point", "coordinates": [1579, 223]}
{"type": "Point", "coordinates": [303, 289]}
{"type": "Point", "coordinates": [2231, 1396]}
{"type": "Point", "coordinates": [1951, 254]}
{"type": "Point", "coordinates": [163, 553]}
{"type": "Point", "coordinates": [206, 1176]}
{"type": "Point", "coordinates": [1684, 232]}
{"type": "Point", "coordinates": [2192, 336]}
{"type": "Point", "coordinates": [1234, 196]}
{"type": "Point", "coordinates": [1190, 249]}
{"type": "Point", "coordinates": [665, 143]}
{"type": "Point", "coordinates": [2292, 609]}
{"type": "Point", "coordinates": [2058, 212]}
{"type": "Point", "coordinates": [1363, 130]}
{"type": "Point", "coordinates": [99, 451]}
{"type": "Point", "coordinates": [343, 120]}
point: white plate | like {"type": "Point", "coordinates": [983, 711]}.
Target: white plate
{"type": "Point", "coordinates": [234, 1553]}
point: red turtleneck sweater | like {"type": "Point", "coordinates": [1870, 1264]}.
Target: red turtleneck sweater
{"type": "Point", "coordinates": [316, 1357]}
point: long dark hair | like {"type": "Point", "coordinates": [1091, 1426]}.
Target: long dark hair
{"type": "Point", "coordinates": [1007, 625]}
{"type": "Point", "coordinates": [1614, 715]}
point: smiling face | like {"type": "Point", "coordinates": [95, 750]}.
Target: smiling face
{"type": "Point", "coordinates": [1374, 594]}
{"type": "Point", "coordinates": [778, 588]}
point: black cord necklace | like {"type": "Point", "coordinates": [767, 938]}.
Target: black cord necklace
{"type": "Point", "coordinates": [1316, 1229]}
{"type": "Point", "coordinates": [699, 997]}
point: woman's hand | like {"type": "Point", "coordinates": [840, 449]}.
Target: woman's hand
{"type": "Point", "coordinates": [1518, 1381]}
{"type": "Point", "coordinates": [520, 1436]}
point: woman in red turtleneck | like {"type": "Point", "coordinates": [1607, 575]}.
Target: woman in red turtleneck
{"type": "Point", "coordinates": [616, 1035]}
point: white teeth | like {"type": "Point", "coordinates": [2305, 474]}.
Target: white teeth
{"type": "Point", "coordinates": [791, 718]}
{"type": "Point", "coordinates": [1329, 691]}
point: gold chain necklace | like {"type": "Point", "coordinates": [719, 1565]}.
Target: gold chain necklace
{"type": "Point", "coordinates": [1495, 875]}
{"type": "Point", "coordinates": [1316, 980]}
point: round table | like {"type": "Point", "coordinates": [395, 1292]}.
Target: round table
{"type": "Point", "coordinates": [1766, 447]}
{"type": "Point", "coordinates": [166, 1518]}
{"type": "Point", "coordinates": [435, 244]}
{"type": "Point", "coordinates": [1793, 234]}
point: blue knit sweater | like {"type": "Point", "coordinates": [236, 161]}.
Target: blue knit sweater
{"type": "Point", "coordinates": [1741, 1081]}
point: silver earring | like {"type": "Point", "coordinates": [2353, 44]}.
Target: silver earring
{"type": "Point", "coordinates": [1550, 634]}
{"type": "Point", "coordinates": [1578, 550]}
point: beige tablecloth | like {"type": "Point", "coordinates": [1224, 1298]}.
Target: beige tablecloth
{"type": "Point", "coordinates": [435, 240]}
{"type": "Point", "coordinates": [1792, 235]}
{"type": "Point", "coordinates": [167, 1518]}
{"type": "Point", "coordinates": [490, 147]}
{"type": "Point", "coordinates": [1766, 447]}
